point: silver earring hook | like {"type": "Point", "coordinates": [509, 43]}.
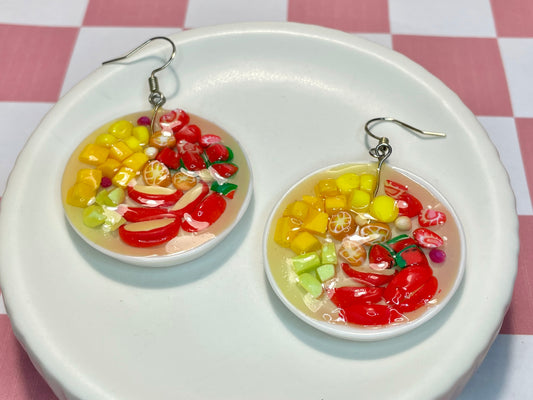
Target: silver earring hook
{"type": "Point", "coordinates": [383, 149]}
{"type": "Point", "coordinates": [156, 98]}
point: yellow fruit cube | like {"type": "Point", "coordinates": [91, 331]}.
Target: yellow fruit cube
{"type": "Point", "coordinates": [348, 182]}
{"type": "Point", "coordinates": [120, 151]}
{"type": "Point", "coordinates": [359, 200]}
{"type": "Point", "coordinates": [142, 134]}
{"type": "Point", "coordinates": [89, 176]}
{"type": "Point", "coordinates": [94, 154]}
{"type": "Point", "coordinates": [105, 139]}
{"type": "Point", "coordinates": [314, 201]}
{"type": "Point", "coordinates": [316, 221]}
{"type": "Point", "coordinates": [81, 195]}
{"type": "Point", "coordinates": [304, 242]}
{"type": "Point", "coordinates": [299, 209]}
{"type": "Point", "coordinates": [110, 167]}
{"type": "Point", "coordinates": [286, 230]}
{"type": "Point", "coordinates": [136, 161]}
{"type": "Point", "coordinates": [123, 177]}
{"type": "Point", "coordinates": [326, 187]}
{"type": "Point", "coordinates": [333, 204]}
{"type": "Point", "coordinates": [384, 209]}
{"type": "Point", "coordinates": [121, 129]}
{"type": "Point", "coordinates": [133, 143]}
{"type": "Point", "coordinates": [368, 183]}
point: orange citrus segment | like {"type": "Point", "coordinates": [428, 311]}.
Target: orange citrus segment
{"type": "Point", "coordinates": [156, 173]}
{"type": "Point", "coordinates": [183, 181]}
{"type": "Point", "coordinates": [341, 224]}
{"type": "Point", "coordinates": [352, 252]}
{"type": "Point", "coordinates": [375, 232]}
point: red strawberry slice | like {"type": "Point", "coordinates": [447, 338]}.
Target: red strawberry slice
{"type": "Point", "coordinates": [409, 205]}
{"type": "Point", "coordinates": [217, 152]}
{"type": "Point", "coordinates": [426, 238]}
{"type": "Point", "coordinates": [193, 161]}
{"type": "Point", "coordinates": [190, 133]}
{"type": "Point", "coordinates": [206, 140]}
{"type": "Point", "coordinates": [430, 217]}
{"type": "Point", "coordinates": [187, 147]}
{"type": "Point", "coordinates": [174, 120]}
{"type": "Point", "coordinates": [394, 189]}
{"type": "Point", "coordinates": [225, 170]}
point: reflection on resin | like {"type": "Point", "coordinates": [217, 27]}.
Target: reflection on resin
{"type": "Point", "coordinates": [138, 193]}
{"type": "Point", "coordinates": [343, 256]}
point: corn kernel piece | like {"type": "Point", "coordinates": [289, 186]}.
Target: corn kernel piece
{"type": "Point", "coordinates": [136, 161]}
{"type": "Point", "coordinates": [142, 134]}
{"type": "Point", "coordinates": [110, 167]}
{"type": "Point", "coordinates": [80, 195]}
{"type": "Point", "coordinates": [105, 139]}
{"type": "Point", "coordinates": [326, 187]}
{"type": "Point", "coordinates": [314, 201]}
{"type": "Point", "coordinates": [121, 129]}
{"type": "Point", "coordinates": [359, 200]}
{"type": "Point", "coordinates": [94, 154]}
{"type": "Point", "coordinates": [286, 230]}
{"type": "Point", "coordinates": [348, 182]}
{"type": "Point", "coordinates": [304, 242]}
{"type": "Point", "coordinates": [89, 176]}
{"type": "Point", "coordinates": [299, 209]}
{"type": "Point", "coordinates": [316, 221]}
{"type": "Point", "coordinates": [333, 204]}
{"type": "Point", "coordinates": [123, 177]}
{"type": "Point", "coordinates": [368, 183]}
{"type": "Point", "coordinates": [384, 209]}
{"type": "Point", "coordinates": [120, 151]}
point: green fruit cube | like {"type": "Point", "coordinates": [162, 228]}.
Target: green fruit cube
{"type": "Point", "coordinates": [93, 216]}
{"type": "Point", "coordinates": [117, 196]}
{"type": "Point", "coordinates": [305, 262]}
{"type": "Point", "coordinates": [329, 255]}
{"type": "Point", "coordinates": [310, 284]}
{"type": "Point", "coordinates": [325, 272]}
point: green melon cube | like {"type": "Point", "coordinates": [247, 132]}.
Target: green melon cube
{"type": "Point", "coordinates": [329, 255]}
{"type": "Point", "coordinates": [305, 262]}
{"type": "Point", "coordinates": [311, 284]}
{"type": "Point", "coordinates": [325, 272]}
{"type": "Point", "coordinates": [93, 216]}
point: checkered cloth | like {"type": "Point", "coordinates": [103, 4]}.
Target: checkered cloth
{"type": "Point", "coordinates": [482, 49]}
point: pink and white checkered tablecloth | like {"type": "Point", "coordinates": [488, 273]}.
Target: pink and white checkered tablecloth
{"type": "Point", "coordinates": [482, 49]}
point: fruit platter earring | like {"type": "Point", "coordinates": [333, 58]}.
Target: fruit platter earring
{"type": "Point", "coordinates": [365, 251]}
{"type": "Point", "coordinates": [156, 188]}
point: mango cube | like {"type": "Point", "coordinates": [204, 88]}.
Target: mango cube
{"type": "Point", "coordinates": [304, 242]}
{"type": "Point", "coordinates": [109, 167]}
{"type": "Point", "coordinates": [368, 183]}
{"type": "Point", "coordinates": [91, 177]}
{"type": "Point", "coordinates": [93, 154]}
{"type": "Point", "coordinates": [314, 201]}
{"type": "Point", "coordinates": [333, 204]}
{"type": "Point", "coordinates": [326, 187]}
{"type": "Point", "coordinates": [305, 262]}
{"type": "Point", "coordinates": [286, 230]}
{"type": "Point", "coordinates": [121, 129]}
{"type": "Point", "coordinates": [123, 177]}
{"type": "Point", "coordinates": [359, 200]}
{"type": "Point", "coordinates": [133, 143]}
{"type": "Point", "coordinates": [384, 209]}
{"type": "Point", "coordinates": [299, 209]}
{"type": "Point", "coordinates": [142, 134]}
{"type": "Point", "coordinates": [348, 182]}
{"type": "Point", "coordinates": [80, 195]}
{"type": "Point", "coordinates": [136, 161]}
{"type": "Point", "coordinates": [120, 151]}
{"type": "Point", "coordinates": [316, 221]}
{"type": "Point", "coordinates": [105, 140]}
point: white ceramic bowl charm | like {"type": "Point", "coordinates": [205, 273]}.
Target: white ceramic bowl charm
{"type": "Point", "coordinates": [156, 188]}
{"type": "Point", "coordinates": [364, 251]}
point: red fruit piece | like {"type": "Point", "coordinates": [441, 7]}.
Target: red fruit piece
{"type": "Point", "coordinates": [174, 120]}
{"type": "Point", "coordinates": [217, 152]}
{"type": "Point", "coordinates": [347, 295]}
{"type": "Point", "coordinates": [190, 133]}
{"type": "Point", "coordinates": [193, 161]}
{"type": "Point", "coordinates": [205, 214]}
{"type": "Point", "coordinates": [149, 233]}
{"type": "Point", "coordinates": [169, 157]}
{"type": "Point", "coordinates": [394, 189]}
{"type": "Point", "coordinates": [380, 256]}
{"type": "Point", "coordinates": [411, 288]}
{"type": "Point", "coordinates": [431, 217]}
{"type": "Point", "coordinates": [187, 147]}
{"type": "Point", "coordinates": [206, 140]}
{"type": "Point", "coordinates": [426, 238]}
{"type": "Point", "coordinates": [370, 314]}
{"type": "Point", "coordinates": [225, 170]}
{"type": "Point", "coordinates": [367, 278]}
{"type": "Point", "coordinates": [408, 205]}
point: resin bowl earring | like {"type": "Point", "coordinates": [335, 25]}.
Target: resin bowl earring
{"type": "Point", "coordinates": [364, 251]}
{"type": "Point", "coordinates": [156, 188]}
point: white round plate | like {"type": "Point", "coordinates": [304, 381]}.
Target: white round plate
{"type": "Point", "coordinates": [212, 328]}
{"type": "Point", "coordinates": [320, 312]}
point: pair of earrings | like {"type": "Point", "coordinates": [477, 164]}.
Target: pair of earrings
{"type": "Point", "coordinates": [163, 187]}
